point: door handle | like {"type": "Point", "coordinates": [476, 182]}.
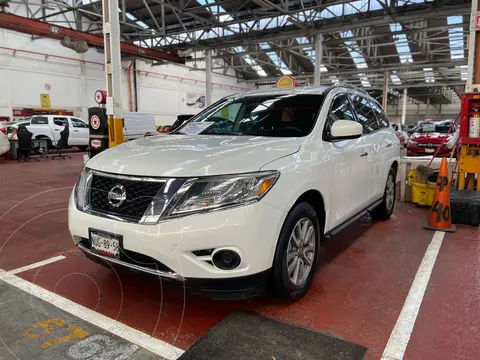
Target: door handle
{"type": "Point", "coordinates": [389, 145]}
{"type": "Point", "coordinates": [75, 130]}
{"type": "Point", "coordinates": [364, 154]}
{"type": "Point", "coordinates": [57, 129]}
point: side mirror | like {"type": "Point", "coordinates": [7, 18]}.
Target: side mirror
{"type": "Point", "coordinates": [346, 129]}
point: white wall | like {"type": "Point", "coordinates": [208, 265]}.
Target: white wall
{"type": "Point", "coordinates": [162, 90]}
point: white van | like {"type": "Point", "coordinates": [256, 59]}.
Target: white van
{"type": "Point", "coordinates": [137, 125]}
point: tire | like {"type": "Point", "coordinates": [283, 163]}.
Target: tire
{"type": "Point", "coordinates": [385, 209]}
{"type": "Point", "coordinates": [82, 148]}
{"type": "Point", "coordinates": [281, 284]}
{"type": "Point", "coordinates": [49, 141]}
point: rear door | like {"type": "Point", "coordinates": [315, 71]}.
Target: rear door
{"type": "Point", "coordinates": [79, 132]}
{"type": "Point", "coordinates": [58, 125]}
{"type": "Point", "coordinates": [349, 167]}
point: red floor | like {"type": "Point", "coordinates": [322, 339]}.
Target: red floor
{"type": "Point", "coordinates": [358, 291]}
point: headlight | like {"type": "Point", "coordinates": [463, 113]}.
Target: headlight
{"type": "Point", "coordinates": [411, 142]}
{"type": "Point", "coordinates": [81, 188]}
{"type": "Point", "coordinates": [223, 191]}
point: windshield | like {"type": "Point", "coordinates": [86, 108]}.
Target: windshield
{"type": "Point", "coordinates": [273, 115]}
{"type": "Point", "coordinates": [433, 127]}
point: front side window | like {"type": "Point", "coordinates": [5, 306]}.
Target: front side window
{"type": "Point", "coordinates": [266, 115]}
{"type": "Point", "coordinates": [78, 123]}
{"type": "Point", "coordinates": [341, 109]}
{"type": "Point", "coordinates": [365, 113]}
{"type": "Point", "coordinates": [381, 116]}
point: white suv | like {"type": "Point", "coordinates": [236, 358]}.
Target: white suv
{"type": "Point", "coordinates": [239, 198]}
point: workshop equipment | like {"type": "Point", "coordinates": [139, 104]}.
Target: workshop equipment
{"type": "Point", "coordinates": [440, 217]}
{"type": "Point", "coordinates": [465, 207]}
{"type": "Point", "coordinates": [423, 190]}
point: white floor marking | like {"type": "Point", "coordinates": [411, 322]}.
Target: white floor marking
{"type": "Point", "coordinates": [134, 336]}
{"type": "Point", "coordinates": [402, 331]}
{"type": "Point", "coordinates": [37, 264]}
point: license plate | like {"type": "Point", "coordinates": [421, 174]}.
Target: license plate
{"type": "Point", "coordinates": [105, 244]}
{"type": "Point", "coordinates": [430, 151]}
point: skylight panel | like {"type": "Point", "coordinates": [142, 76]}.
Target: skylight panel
{"type": "Point", "coordinates": [130, 17]}
{"type": "Point", "coordinates": [334, 79]}
{"type": "Point", "coordinates": [354, 50]}
{"type": "Point", "coordinates": [401, 43]}
{"type": "Point", "coordinates": [364, 80]}
{"type": "Point", "coordinates": [142, 24]}
{"type": "Point", "coordinates": [455, 37]}
{"type": "Point", "coordinates": [428, 73]}
{"type": "Point", "coordinates": [276, 59]}
{"type": "Point", "coordinates": [309, 51]}
{"type": "Point", "coordinates": [395, 79]}
{"type": "Point", "coordinates": [248, 59]}
{"type": "Point", "coordinates": [463, 72]}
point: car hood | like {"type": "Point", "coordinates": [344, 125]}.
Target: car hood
{"type": "Point", "coordinates": [433, 137]}
{"type": "Point", "coordinates": [199, 155]}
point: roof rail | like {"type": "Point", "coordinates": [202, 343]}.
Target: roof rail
{"type": "Point", "coordinates": [340, 84]}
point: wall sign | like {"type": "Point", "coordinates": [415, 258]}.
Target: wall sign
{"type": "Point", "coordinates": [287, 82]}
{"type": "Point", "coordinates": [45, 101]}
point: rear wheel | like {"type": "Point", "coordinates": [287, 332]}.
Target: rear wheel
{"type": "Point", "coordinates": [385, 209]}
{"type": "Point", "coordinates": [82, 148]}
{"type": "Point", "coordinates": [296, 254]}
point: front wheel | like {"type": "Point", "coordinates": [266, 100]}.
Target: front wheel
{"type": "Point", "coordinates": [82, 148]}
{"type": "Point", "coordinates": [385, 209]}
{"type": "Point", "coordinates": [296, 254]}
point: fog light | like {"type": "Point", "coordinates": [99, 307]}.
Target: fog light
{"type": "Point", "coordinates": [226, 259]}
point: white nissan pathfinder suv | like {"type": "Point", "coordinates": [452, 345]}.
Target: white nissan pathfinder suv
{"type": "Point", "coordinates": [238, 199]}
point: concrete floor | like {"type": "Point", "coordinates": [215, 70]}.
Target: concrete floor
{"type": "Point", "coordinates": [358, 292]}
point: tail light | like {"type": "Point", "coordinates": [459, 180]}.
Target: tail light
{"type": "Point", "coordinates": [4, 130]}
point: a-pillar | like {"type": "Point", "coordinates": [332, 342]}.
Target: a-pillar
{"type": "Point", "coordinates": [404, 107]}
{"type": "Point", "coordinates": [317, 77]}
{"type": "Point", "coordinates": [385, 92]}
{"type": "Point", "coordinates": [208, 71]}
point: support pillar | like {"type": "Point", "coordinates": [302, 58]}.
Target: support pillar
{"type": "Point", "coordinates": [385, 93]}
{"type": "Point", "coordinates": [208, 71]}
{"type": "Point", "coordinates": [317, 77]}
{"type": "Point", "coordinates": [428, 108]}
{"type": "Point", "coordinates": [113, 71]}
{"type": "Point", "coordinates": [404, 107]}
{"type": "Point", "coordinates": [472, 42]}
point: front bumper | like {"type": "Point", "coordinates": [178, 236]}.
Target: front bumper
{"type": "Point", "coordinates": [251, 231]}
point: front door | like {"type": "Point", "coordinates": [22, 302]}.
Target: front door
{"type": "Point", "coordinates": [79, 132]}
{"type": "Point", "coordinates": [348, 166]}
{"type": "Point", "coordinates": [58, 125]}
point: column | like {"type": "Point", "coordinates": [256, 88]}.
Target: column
{"type": "Point", "coordinates": [113, 71]}
{"type": "Point", "coordinates": [208, 71]}
{"type": "Point", "coordinates": [404, 107]}
{"type": "Point", "coordinates": [318, 59]}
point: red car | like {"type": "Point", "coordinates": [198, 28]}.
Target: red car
{"type": "Point", "coordinates": [428, 137]}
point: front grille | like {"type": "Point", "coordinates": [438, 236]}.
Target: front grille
{"type": "Point", "coordinates": [139, 194]}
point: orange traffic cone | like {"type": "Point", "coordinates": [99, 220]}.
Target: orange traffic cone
{"type": "Point", "coordinates": [440, 217]}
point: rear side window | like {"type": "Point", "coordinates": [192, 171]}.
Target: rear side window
{"type": "Point", "coordinates": [365, 113]}
{"type": "Point", "coordinates": [60, 121]}
{"type": "Point", "coordinates": [381, 116]}
{"type": "Point", "coordinates": [39, 120]}
{"type": "Point", "coordinates": [341, 109]}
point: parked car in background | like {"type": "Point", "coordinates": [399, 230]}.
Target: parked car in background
{"type": "Point", "coordinates": [428, 137]}
{"type": "Point", "coordinates": [239, 198]}
{"type": "Point", "coordinates": [4, 143]}
{"type": "Point", "coordinates": [49, 127]}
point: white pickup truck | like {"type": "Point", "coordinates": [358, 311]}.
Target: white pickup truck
{"type": "Point", "coordinates": [49, 127]}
